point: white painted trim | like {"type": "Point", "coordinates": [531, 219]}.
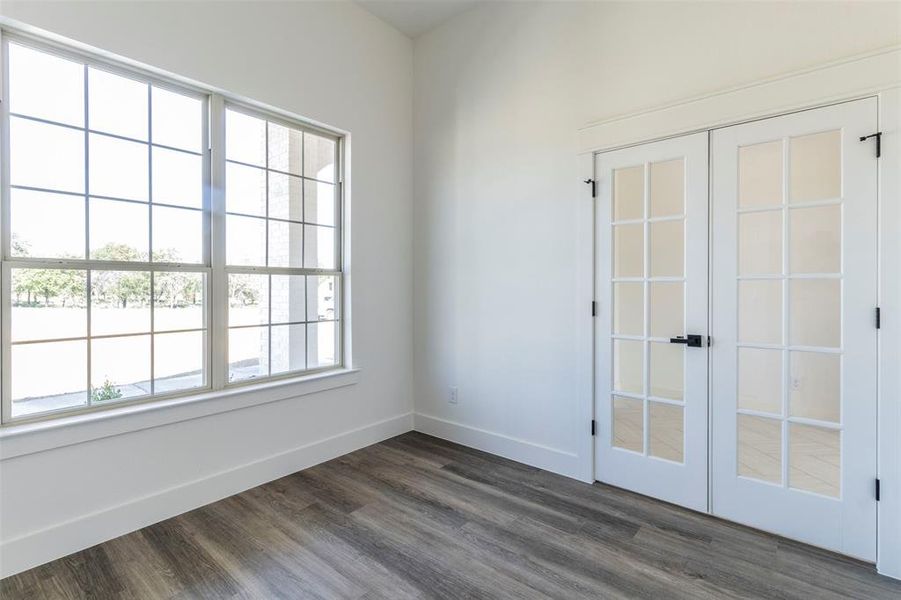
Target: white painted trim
{"type": "Point", "coordinates": [555, 460]}
{"type": "Point", "coordinates": [19, 440]}
{"type": "Point", "coordinates": [39, 547]}
{"type": "Point", "coordinates": [889, 377]}
{"type": "Point", "coordinates": [586, 322]}
{"type": "Point", "coordinates": [847, 79]}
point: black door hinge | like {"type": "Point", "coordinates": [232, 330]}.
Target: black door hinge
{"type": "Point", "coordinates": [594, 308]}
{"type": "Point", "coordinates": [877, 487]}
{"type": "Point", "coordinates": [594, 427]}
{"type": "Point", "coordinates": [878, 317]}
{"type": "Point", "coordinates": [878, 136]}
{"type": "Point", "coordinates": [593, 187]}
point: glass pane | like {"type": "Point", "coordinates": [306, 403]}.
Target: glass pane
{"type": "Point", "coordinates": [248, 353]}
{"type": "Point", "coordinates": [628, 423]}
{"type": "Point", "coordinates": [322, 345]}
{"type": "Point", "coordinates": [322, 298]}
{"type": "Point", "coordinates": [34, 392]}
{"type": "Point", "coordinates": [667, 312]}
{"type": "Point", "coordinates": [760, 243]}
{"type": "Point", "coordinates": [760, 311]}
{"type": "Point", "coordinates": [816, 240]}
{"type": "Point", "coordinates": [245, 190]}
{"type": "Point", "coordinates": [48, 304]}
{"type": "Point", "coordinates": [666, 366]}
{"type": "Point", "coordinates": [760, 380]}
{"type": "Point", "coordinates": [760, 448]}
{"type": "Point", "coordinates": [285, 244]}
{"type": "Point", "coordinates": [285, 197]}
{"type": "Point", "coordinates": [118, 168]}
{"type": "Point", "coordinates": [119, 230]}
{"type": "Point", "coordinates": [46, 156]}
{"type": "Point", "coordinates": [289, 346]}
{"type": "Point", "coordinates": [117, 104]}
{"type": "Point", "coordinates": [177, 178]}
{"type": "Point", "coordinates": [628, 193]}
{"type": "Point", "coordinates": [245, 138]}
{"type": "Point", "coordinates": [245, 241]}
{"type": "Point", "coordinates": [665, 431]}
{"type": "Point", "coordinates": [667, 248]}
{"type": "Point", "coordinates": [178, 361]}
{"type": "Point", "coordinates": [628, 250]}
{"type": "Point", "coordinates": [120, 368]}
{"type": "Point", "coordinates": [285, 149]}
{"type": "Point", "coordinates": [815, 317]}
{"type": "Point", "coordinates": [248, 299]}
{"type": "Point", "coordinates": [628, 308]}
{"type": "Point", "coordinates": [628, 366]}
{"type": "Point", "coordinates": [319, 247]}
{"type": "Point", "coordinates": [760, 174]}
{"type": "Point", "coordinates": [319, 202]}
{"type": "Point", "coordinates": [667, 188]}
{"type": "Point", "coordinates": [45, 86]}
{"type": "Point", "coordinates": [120, 302]}
{"type": "Point", "coordinates": [318, 157]}
{"type": "Point", "coordinates": [816, 167]}
{"type": "Point", "coordinates": [288, 298]}
{"type": "Point", "coordinates": [177, 235]}
{"type": "Point", "coordinates": [815, 386]}
{"type": "Point", "coordinates": [46, 225]}
{"type": "Point", "coordinates": [177, 120]}
{"type": "Point", "coordinates": [814, 459]}
{"type": "Point", "coordinates": [177, 300]}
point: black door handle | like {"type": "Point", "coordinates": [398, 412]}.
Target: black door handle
{"type": "Point", "coordinates": [695, 341]}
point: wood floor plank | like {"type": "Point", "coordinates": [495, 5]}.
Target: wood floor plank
{"type": "Point", "coordinates": [419, 517]}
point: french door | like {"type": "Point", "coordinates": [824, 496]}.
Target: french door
{"type": "Point", "coordinates": [794, 339]}
{"type": "Point", "coordinates": [792, 349]}
{"type": "Point", "coordinates": [651, 343]}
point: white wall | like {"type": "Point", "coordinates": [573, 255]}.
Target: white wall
{"type": "Point", "coordinates": [332, 62]}
{"type": "Point", "coordinates": [500, 92]}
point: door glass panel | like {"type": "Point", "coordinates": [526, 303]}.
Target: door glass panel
{"type": "Point", "coordinates": [628, 308]}
{"type": "Point", "coordinates": [667, 248]}
{"type": "Point", "coordinates": [760, 380]}
{"type": "Point", "coordinates": [628, 193]}
{"type": "Point", "coordinates": [667, 188]}
{"type": "Point", "coordinates": [666, 366]}
{"type": "Point", "coordinates": [816, 235]}
{"type": "Point", "coordinates": [760, 243]}
{"type": "Point", "coordinates": [628, 250]}
{"type": "Point", "coordinates": [628, 360]}
{"type": "Point", "coordinates": [760, 175]}
{"type": "Point", "coordinates": [760, 448]}
{"type": "Point", "coordinates": [628, 423]}
{"type": "Point", "coordinates": [665, 431]}
{"type": "Point", "coordinates": [816, 167]}
{"type": "Point", "coordinates": [815, 386]}
{"type": "Point", "coordinates": [814, 459]}
{"type": "Point", "coordinates": [815, 317]}
{"type": "Point", "coordinates": [760, 311]}
{"type": "Point", "coordinates": [667, 309]}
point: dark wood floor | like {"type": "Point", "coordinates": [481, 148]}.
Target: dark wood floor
{"type": "Point", "coordinates": [418, 517]}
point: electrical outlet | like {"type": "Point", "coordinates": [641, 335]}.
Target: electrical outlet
{"type": "Point", "coordinates": [452, 394]}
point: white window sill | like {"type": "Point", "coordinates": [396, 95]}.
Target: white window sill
{"type": "Point", "coordinates": [28, 438]}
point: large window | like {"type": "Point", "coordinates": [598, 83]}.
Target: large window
{"type": "Point", "coordinates": [140, 260]}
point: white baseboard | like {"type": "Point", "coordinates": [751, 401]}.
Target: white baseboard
{"type": "Point", "coordinates": [42, 546]}
{"type": "Point", "coordinates": [544, 457]}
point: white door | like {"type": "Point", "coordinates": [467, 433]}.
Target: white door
{"type": "Point", "coordinates": [651, 289]}
{"type": "Point", "coordinates": [793, 358]}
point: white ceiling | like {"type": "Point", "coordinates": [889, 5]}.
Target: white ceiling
{"type": "Point", "coordinates": [415, 17]}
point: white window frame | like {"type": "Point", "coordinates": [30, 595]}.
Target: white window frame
{"type": "Point", "coordinates": [215, 320]}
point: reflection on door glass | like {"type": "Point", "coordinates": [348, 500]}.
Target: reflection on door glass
{"type": "Point", "coordinates": [760, 448]}
{"type": "Point", "coordinates": [628, 423]}
{"type": "Point", "coordinates": [814, 459]}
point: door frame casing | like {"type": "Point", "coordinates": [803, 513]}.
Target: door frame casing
{"type": "Point", "coordinates": [872, 74]}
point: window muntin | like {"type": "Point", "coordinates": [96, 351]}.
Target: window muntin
{"type": "Point", "coordinates": [108, 262]}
